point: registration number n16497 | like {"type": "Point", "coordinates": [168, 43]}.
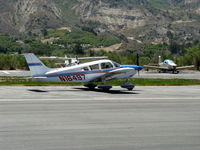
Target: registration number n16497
{"type": "Point", "coordinates": [67, 78]}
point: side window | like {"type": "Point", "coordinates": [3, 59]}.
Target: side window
{"type": "Point", "coordinates": [106, 65]}
{"type": "Point", "coordinates": [85, 69]}
{"type": "Point", "coordinates": [94, 67]}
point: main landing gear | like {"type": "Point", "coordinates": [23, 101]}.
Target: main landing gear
{"type": "Point", "coordinates": [175, 71]}
{"type": "Point", "coordinates": [91, 86]}
{"type": "Point", "coordinates": [104, 87]}
{"type": "Point", "coordinates": [107, 87]}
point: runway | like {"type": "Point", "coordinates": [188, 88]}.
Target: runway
{"type": "Point", "coordinates": [73, 118]}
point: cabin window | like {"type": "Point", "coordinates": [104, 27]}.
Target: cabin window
{"type": "Point", "coordinates": [94, 67]}
{"type": "Point", "coordinates": [106, 65]}
{"type": "Point", "coordinates": [85, 69]}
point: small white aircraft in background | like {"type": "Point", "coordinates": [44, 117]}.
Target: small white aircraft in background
{"type": "Point", "coordinates": [88, 73]}
{"type": "Point", "coordinates": [167, 65]}
{"type": "Point", "coordinates": [68, 61]}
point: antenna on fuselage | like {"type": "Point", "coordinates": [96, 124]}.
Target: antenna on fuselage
{"type": "Point", "coordinates": [159, 59]}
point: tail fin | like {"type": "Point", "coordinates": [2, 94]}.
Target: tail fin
{"type": "Point", "coordinates": [35, 65]}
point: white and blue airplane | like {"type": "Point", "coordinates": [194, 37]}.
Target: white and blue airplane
{"type": "Point", "coordinates": [167, 65]}
{"type": "Point", "coordinates": [88, 73]}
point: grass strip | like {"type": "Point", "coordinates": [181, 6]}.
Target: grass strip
{"type": "Point", "coordinates": [137, 82]}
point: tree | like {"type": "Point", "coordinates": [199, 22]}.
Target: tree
{"type": "Point", "coordinates": [195, 53]}
{"type": "Point", "coordinates": [78, 49]}
{"type": "Point", "coordinates": [44, 32]}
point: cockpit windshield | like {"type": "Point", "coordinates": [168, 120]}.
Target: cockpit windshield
{"type": "Point", "coordinates": [116, 64]}
{"type": "Point", "coordinates": [168, 61]}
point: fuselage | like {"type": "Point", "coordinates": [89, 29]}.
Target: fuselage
{"type": "Point", "coordinates": [87, 72]}
{"type": "Point", "coordinates": [168, 64]}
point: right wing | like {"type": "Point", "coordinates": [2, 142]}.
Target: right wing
{"type": "Point", "coordinates": [185, 67]}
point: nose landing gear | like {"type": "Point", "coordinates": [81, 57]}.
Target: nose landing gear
{"type": "Point", "coordinates": [128, 86]}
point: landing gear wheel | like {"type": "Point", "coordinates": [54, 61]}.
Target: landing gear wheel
{"type": "Point", "coordinates": [177, 72]}
{"type": "Point", "coordinates": [90, 86]}
{"type": "Point", "coordinates": [130, 89]}
{"type": "Point", "coordinates": [105, 87]}
{"type": "Point", "coordinates": [128, 86]}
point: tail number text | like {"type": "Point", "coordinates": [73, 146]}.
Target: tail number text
{"type": "Point", "coordinates": [67, 78]}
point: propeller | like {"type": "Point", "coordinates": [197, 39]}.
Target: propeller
{"type": "Point", "coordinates": [138, 62]}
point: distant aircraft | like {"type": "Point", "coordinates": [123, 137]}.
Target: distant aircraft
{"type": "Point", "coordinates": [70, 61]}
{"type": "Point", "coordinates": [167, 65]}
{"type": "Point", "coordinates": [88, 73]}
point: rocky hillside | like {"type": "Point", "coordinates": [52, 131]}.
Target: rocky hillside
{"type": "Point", "coordinates": [130, 20]}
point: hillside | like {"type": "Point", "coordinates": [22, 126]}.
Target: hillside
{"type": "Point", "coordinates": [141, 21]}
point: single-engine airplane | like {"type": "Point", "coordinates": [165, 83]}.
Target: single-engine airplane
{"type": "Point", "coordinates": [167, 65]}
{"type": "Point", "coordinates": [70, 61]}
{"type": "Point", "coordinates": [88, 73]}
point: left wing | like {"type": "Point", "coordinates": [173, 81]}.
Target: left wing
{"type": "Point", "coordinates": [111, 74]}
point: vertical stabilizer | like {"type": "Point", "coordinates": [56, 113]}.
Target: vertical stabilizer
{"type": "Point", "coordinates": [35, 65]}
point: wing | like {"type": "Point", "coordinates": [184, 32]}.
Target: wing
{"type": "Point", "coordinates": [185, 67]}
{"type": "Point", "coordinates": [112, 74]}
{"type": "Point", "coordinates": [154, 67]}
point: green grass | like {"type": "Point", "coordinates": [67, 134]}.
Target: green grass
{"type": "Point", "coordinates": [138, 82]}
{"type": "Point", "coordinates": [160, 4]}
{"type": "Point", "coordinates": [160, 82]}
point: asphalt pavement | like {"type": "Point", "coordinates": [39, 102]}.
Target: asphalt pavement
{"type": "Point", "coordinates": [73, 118]}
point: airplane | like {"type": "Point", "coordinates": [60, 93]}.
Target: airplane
{"type": "Point", "coordinates": [70, 61]}
{"type": "Point", "coordinates": [88, 73]}
{"type": "Point", "coordinates": [167, 65]}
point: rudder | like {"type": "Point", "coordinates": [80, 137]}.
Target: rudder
{"type": "Point", "coordinates": [35, 65]}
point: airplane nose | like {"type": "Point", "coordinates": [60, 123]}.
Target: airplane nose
{"type": "Point", "coordinates": [172, 64]}
{"type": "Point", "coordinates": [136, 67]}
{"type": "Point", "coordinates": [139, 68]}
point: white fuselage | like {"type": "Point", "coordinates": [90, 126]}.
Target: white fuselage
{"type": "Point", "coordinates": [168, 64]}
{"type": "Point", "coordinates": [86, 72]}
